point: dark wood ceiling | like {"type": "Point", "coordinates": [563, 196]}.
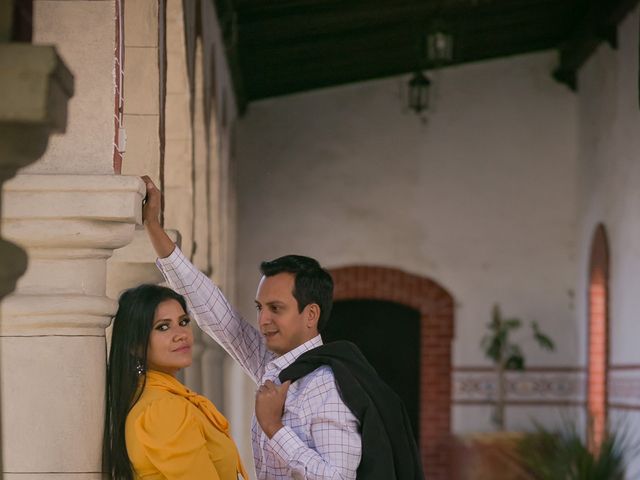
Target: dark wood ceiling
{"type": "Point", "coordinates": [284, 46]}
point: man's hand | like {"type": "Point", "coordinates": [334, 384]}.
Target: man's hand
{"type": "Point", "coordinates": [151, 206]}
{"type": "Point", "coordinates": [270, 406]}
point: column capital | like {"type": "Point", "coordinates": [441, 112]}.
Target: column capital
{"type": "Point", "coordinates": [69, 225]}
{"type": "Point", "coordinates": [35, 86]}
{"type": "Point", "coordinates": [59, 314]}
{"type": "Point", "coordinates": [72, 216]}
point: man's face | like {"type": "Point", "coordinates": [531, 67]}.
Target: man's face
{"type": "Point", "coordinates": [283, 327]}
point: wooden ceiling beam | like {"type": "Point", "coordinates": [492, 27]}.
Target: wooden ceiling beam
{"type": "Point", "coordinates": [281, 76]}
{"type": "Point", "coordinates": [285, 46]}
{"type": "Point", "coordinates": [305, 79]}
{"type": "Point", "coordinates": [275, 85]}
{"type": "Point", "coordinates": [599, 24]}
{"type": "Point", "coordinates": [273, 8]}
{"type": "Point", "coordinates": [302, 24]}
{"type": "Point", "coordinates": [400, 41]}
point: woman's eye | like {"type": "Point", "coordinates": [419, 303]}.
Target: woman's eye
{"type": "Point", "coordinates": [258, 307]}
{"type": "Point", "coordinates": [185, 321]}
{"type": "Point", "coordinates": [163, 327]}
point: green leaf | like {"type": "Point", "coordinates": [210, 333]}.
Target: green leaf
{"type": "Point", "coordinates": [492, 347]}
{"type": "Point", "coordinates": [512, 323]}
{"type": "Point", "coordinates": [543, 340]}
{"type": "Point", "coordinates": [515, 362]}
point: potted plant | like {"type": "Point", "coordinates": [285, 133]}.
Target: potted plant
{"type": "Point", "coordinates": [489, 456]}
{"type": "Point", "coordinates": [507, 355]}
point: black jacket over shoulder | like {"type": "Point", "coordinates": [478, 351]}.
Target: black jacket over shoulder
{"type": "Point", "coordinates": [389, 451]}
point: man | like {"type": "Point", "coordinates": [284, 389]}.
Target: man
{"type": "Point", "coordinates": [302, 430]}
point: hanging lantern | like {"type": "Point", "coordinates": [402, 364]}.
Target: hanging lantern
{"type": "Point", "coordinates": [439, 48]}
{"type": "Point", "coordinates": [419, 92]}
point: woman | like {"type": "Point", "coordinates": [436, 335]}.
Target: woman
{"type": "Point", "coordinates": [155, 427]}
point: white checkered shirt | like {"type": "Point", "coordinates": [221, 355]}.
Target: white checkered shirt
{"type": "Point", "coordinates": [320, 438]}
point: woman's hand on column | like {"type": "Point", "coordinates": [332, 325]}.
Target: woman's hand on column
{"type": "Point", "coordinates": [161, 242]}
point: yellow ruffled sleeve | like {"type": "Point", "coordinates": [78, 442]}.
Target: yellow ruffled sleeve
{"type": "Point", "coordinates": [171, 438]}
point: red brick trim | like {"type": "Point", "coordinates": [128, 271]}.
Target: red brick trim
{"type": "Point", "coordinates": [436, 308]}
{"type": "Point", "coordinates": [118, 114]}
{"type": "Point", "coordinates": [598, 336]}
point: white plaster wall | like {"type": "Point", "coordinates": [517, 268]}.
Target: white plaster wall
{"type": "Point", "coordinates": [609, 151]}
{"type": "Point", "coordinates": [481, 199]}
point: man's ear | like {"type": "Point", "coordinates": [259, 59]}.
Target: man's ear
{"type": "Point", "coordinates": [313, 315]}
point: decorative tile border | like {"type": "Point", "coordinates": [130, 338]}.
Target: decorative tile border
{"type": "Point", "coordinates": [545, 386]}
{"type": "Point", "coordinates": [624, 387]}
{"type": "Point", "coordinates": [535, 386]}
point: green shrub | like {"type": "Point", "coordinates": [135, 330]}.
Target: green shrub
{"type": "Point", "coordinates": [563, 455]}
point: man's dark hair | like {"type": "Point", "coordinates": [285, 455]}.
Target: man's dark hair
{"type": "Point", "coordinates": [313, 284]}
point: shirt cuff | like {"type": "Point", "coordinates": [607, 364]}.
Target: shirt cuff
{"type": "Point", "coordinates": [284, 444]}
{"type": "Point", "coordinates": [175, 258]}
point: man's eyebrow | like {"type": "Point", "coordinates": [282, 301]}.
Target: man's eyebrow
{"type": "Point", "coordinates": [272, 302]}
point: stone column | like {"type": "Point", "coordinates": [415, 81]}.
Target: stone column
{"type": "Point", "coordinates": [35, 87]}
{"type": "Point", "coordinates": [134, 264]}
{"type": "Point", "coordinates": [52, 332]}
{"type": "Point", "coordinates": [178, 168]}
{"type": "Point", "coordinates": [69, 212]}
{"type": "Point", "coordinates": [212, 365]}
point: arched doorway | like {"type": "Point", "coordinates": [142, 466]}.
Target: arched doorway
{"type": "Point", "coordinates": [598, 337]}
{"type": "Point", "coordinates": [388, 334]}
{"type": "Point", "coordinates": [435, 307]}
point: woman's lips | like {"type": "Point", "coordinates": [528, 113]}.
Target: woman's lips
{"type": "Point", "coordinates": [186, 348]}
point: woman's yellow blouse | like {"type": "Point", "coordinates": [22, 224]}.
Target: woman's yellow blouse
{"type": "Point", "coordinates": [168, 437]}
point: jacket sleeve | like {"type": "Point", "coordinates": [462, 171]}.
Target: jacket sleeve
{"type": "Point", "coordinates": [173, 442]}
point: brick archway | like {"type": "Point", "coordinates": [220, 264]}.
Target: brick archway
{"type": "Point", "coordinates": [435, 305]}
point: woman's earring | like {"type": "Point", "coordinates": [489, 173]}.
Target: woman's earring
{"type": "Point", "coordinates": [139, 367]}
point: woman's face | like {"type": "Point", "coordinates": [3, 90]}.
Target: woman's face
{"type": "Point", "coordinates": [170, 340]}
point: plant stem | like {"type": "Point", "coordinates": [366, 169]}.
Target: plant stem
{"type": "Point", "coordinates": [499, 409]}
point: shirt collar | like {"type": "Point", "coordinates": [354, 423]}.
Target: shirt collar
{"type": "Point", "coordinates": [288, 358]}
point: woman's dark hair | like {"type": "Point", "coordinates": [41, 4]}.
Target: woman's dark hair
{"type": "Point", "coordinates": [313, 284]}
{"type": "Point", "coordinates": [128, 355]}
